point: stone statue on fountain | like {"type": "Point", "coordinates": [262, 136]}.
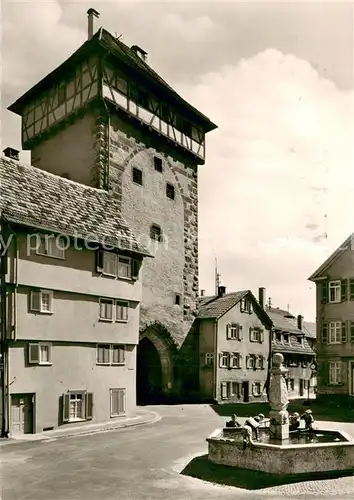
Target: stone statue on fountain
{"type": "Point", "coordinates": [278, 399]}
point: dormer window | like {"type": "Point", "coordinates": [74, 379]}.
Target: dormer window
{"type": "Point", "coordinates": [286, 338]}
{"type": "Point", "coordinates": [278, 336]}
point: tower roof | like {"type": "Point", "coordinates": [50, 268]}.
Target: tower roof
{"type": "Point", "coordinates": [106, 45]}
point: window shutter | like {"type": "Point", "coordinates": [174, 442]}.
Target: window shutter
{"type": "Point", "coordinates": [220, 360]}
{"type": "Point", "coordinates": [250, 333]}
{"type": "Point", "coordinates": [344, 289]}
{"type": "Point", "coordinates": [240, 360]}
{"type": "Point", "coordinates": [66, 407]}
{"type": "Point", "coordinates": [99, 261]}
{"type": "Point", "coordinates": [227, 332]}
{"type": "Point", "coordinates": [231, 360]}
{"type": "Point", "coordinates": [247, 361]}
{"type": "Point", "coordinates": [33, 354]}
{"type": "Point", "coordinates": [261, 335]}
{"type": "Point", "coordinates": [223, 390]}
{"type": "Point", "coordinates": [351, 289]}
{"type": "Point", "coordinates": [89, 405]}
{"type": "Point", "coordinates": [240, 332]}
{"type": "Point", "coordinates": [344, 332]}
{"type": "Point", "coordinates": [35, 301]}
{"type": "Point", "coordinates": [352, 331]}
{"type": "Point", "coordinates": [324, 292]}
{"type": "Point", "coordinates": [135, 269]}
{"type": "Point", "coordinates": [325, 333]}
{"type": "Point", "coordinates": [253, 388]}
{"type": "Point", "coordinates": [121, 401]}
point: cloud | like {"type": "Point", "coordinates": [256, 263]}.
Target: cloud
{"type": "Point", "coordinates": [280, 163]}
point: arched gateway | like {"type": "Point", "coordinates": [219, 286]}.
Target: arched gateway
{"type": "Point", "coordinates": [155, 365]}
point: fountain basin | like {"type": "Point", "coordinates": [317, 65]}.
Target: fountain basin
{"type": "Point", "coordinates": [320, 451]}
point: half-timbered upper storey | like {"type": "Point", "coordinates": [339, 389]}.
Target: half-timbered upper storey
{"type": "Point", "coordinates": [104, 68]}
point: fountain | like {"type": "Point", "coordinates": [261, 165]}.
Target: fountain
{"type": "Point", "coordinates": [278, 451]}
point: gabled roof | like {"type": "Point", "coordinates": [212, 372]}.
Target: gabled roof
{"type": "Point", "coordinates": [106, 44]}
{"type": "Point", "coordinates": [215, 307]}
{"type": "Point", "coordinates": [310, 329]}
{"type": "Point", "coordinates": [34, 198]}
{"type": "Point", "coordinates": [348, 243]}
{"type": "Point", "coordinates": [292, 346]}
{"type": "Point", "coordinates": [282, 323]}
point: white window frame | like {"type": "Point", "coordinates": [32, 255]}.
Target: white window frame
{"type": "Point", "coordinates": [39, 359]}
{"type": "Point", "coordinates": [334, 286]}
{"type": "Point", "coordinates": [246, 306]}
{"type": "Point", "coordinates": [108, 348]}
{"type": "Point", "coordinates": [106, 300]}
{"type": "Point", "coordinates": [209, 359]}
{"type": "Point", "coordinates": [260, 362]}
{"type": "Point", "coordinates": [251, 365]}
{"type": "Point", "coordinates": [236, 360]}
{"type": "Point", "coordinates": [256, 389]}
{"type": "Point", "coordinates": [123, 307]}
{"type": "Point", "coordinates": [109, 261]}
{"type": "Point", "coordinates": [334, 372]}
{"type": "Point", "coordinates": [119, 347]}
{"type": "Point", "coordinates": [41, 309]}
{"type": "Point", "coordinates": [233, 331]}
{"type": "Point", "coordinates": [129, 267]}
{"type": "Point", "coordinates": [235, 389]}
{"type": "Point", "coordinates": [224, 360]}
{"type": "Point", "coordinates": [334, 332]}
{"type": "Point", "coordinates": [255, 335]}
{"type": "Point", "coordinates": [45, 248]}
{"type": "Point", "coordinates": [83, 405]}
{"type": "Point", "coordinates": [116, 391]}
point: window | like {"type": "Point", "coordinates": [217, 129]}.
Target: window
{"type": "Point", "coordinates": [51, 246]}
{"type": "Point", "coordinates": [122, 311]}
{"type": "Point", "coordinates": [41, 301]}
{"type": "Point", "coordinates": [278, 336]}
{"type": "Point", "coordinates": [335, 375]}
{"type": "Point", "coordinates": [351, 289]}
{"type": "Point", "coordinates": [293, 362]}
{"type": "Point", "coordinates": [304, 364]}
{"type": "Point", "coordinates": [260, 362]}
{"type": "Point", "coordinates": [106, 309]}
{"type": "Point", "coordinates": [137, 176]}
{"type": "Point", "coordinates": [118, 355]}
{"type": "Point", "coordinates": [246, 306]}
{"type": "Point", "coordinates": [251, 361]}
{"type": "Point", "coordinates": [334, 291]}
{"type": "Point", "coordinates": [230, 389]}
{"type": "Point", "coordinates": [234, 331]}
{"type": "Point", "coordinates": [156, 233]}
{"type": "Point", "coordinates": [110, 354]}
{"type": "Point", "coordinates": [177, 299]}
{"type": "Point", "coordinates": [118, 266]}
{"type": "Point", "coordinates": [300, 340]}
{"type": "Point", "coordinates": [117, 402]}
{"type": "Point", "coordinates": [335, 328]}
{"type": "Point", "coordinates": [103, 354]}
{"type": "Point", "coordinates": [170, 191]}
{"type": "Point", "coordinates": [224, 360]}
{"type": "Point", "coordinates": [209, 359]}
{"type": "Point", "coordinates": [77, 406]}
{"type": "Point", "coordinates": [256, 389]}
{"type": "Point", "coordinates": [235, 389]}
{"type": "Point", "coordinates": [40, 354]}
{"type": "Point", "coordinates": [124, 267]}
{"type": "Point", "coordinates": [158, 164]}
{"type": "Point", "coordinates": [286, 338]}
{"type": "Point", "coordinates": [236, 360]}
{"type": "Point", "coordinates": [256, 335]}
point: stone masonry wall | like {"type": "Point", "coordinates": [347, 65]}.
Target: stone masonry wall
{"type": "Point", "coordinates": [174, 270]}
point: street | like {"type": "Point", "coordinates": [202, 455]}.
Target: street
{"type": "Point", "coordinates": [142, 462]}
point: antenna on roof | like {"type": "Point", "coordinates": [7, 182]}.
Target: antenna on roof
{"type": "Point", "coordinates": [269, 303]}
{"type": "Point", "coordinates": [217, 277]}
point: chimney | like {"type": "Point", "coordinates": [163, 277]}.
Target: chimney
{"type": "Point", "coordinates": [299, 321]}
{"type": "Point", "coordinates": [12, 153]}
{"type": "Point", "coordinates": [261, 297]}
{"type": "Point", "coordinates": [221, 291]}
{"type": "Point", "coordinates": [140, 52]}
{"type": "Point", "coordinates": [202, 293]}
{"type": "Point", "coordinates": [91, 14]}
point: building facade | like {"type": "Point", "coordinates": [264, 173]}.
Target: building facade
{"type": "Point", "coordinates": [335, 322]}
{"type": "Point", "coordinates": [105, 119]}
{"type": "Point", "coordinates": [70, 307]}
{"type": "Point", "coordinates": [234, 346]}
{"type": "Point", "coordinates": [295, 341]}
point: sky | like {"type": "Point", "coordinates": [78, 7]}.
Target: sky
{"type": "Point", "coordinates": [275, 193]}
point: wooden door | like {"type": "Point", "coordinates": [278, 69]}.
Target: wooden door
{"type": "Point", "coordinates": [21, 414]}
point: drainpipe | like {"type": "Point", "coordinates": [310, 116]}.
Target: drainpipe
{"type": "Point", "coordinates": [215, 357]}
{"type": "Point", "coordinates": [3, 342]}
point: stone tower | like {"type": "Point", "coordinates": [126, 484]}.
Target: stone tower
{"type": "Point", "coordinates": [104, 118]}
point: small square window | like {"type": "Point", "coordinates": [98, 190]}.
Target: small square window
{"type": "Point", "coordinates": [209, 359]}
{"type": "Point", "coordinates": [158, 163]}
{"type": "Point", "coordinates": [170, 191]}
{"type": "Point", "coordinates": [156, 233]}
{"type": "Point", "coordinates": [137, 176]}
{"type": "Point", "coordinates": [41, 301]}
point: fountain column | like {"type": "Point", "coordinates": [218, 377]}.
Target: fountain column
{"type": "Point", "coordinates": [278, 399]}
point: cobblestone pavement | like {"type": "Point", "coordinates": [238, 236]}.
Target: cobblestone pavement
{"type": "Point", "coordinates": [139, 463]}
